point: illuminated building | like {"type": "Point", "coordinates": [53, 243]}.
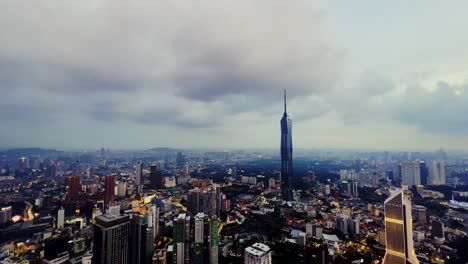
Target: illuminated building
{"type": "Point", "coordinates": [398, 230]}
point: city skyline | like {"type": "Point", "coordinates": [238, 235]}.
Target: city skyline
{"type": "Point", "coordinates": [140, 78]}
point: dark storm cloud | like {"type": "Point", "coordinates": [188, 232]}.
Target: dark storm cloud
{"type": "Point", "coordinates": [211, 59]}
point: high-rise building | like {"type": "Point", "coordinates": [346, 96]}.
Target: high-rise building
{"type": "Point", "coordinates": [60, 218]}
{"type": "Point", "coordinates": [205, 201]}
{"type": "Point", "coordinates": [141, 240]}
{"type": "Point", "coordinates": [156, 177]}
{"type": "Point", "coordinates": [73, 187]}
{"type": "Point", "coordinates": [138, 175]}
{"type": "Point", "coordinates": [152, 213]}
{"type": "Point", "coordinates": [214, 240]}
{"type": "Point", "coordinates": [424, 172]}
{"type": "Point", "coordinates": [420, 214]}
{"type": "Point", "coordinates": [411, 173]}
{"type": "Point", "coordinates": [5, 214]}
{"type": "Point", "coordinates": [258, 253]}
{"type": "Point", "coordinates": [342, 223]}
{"type": "Point", "coordinates": [109, 189]}
{"type": "Point", "coordinates": [437, 229]}
{"type": "Point", "coordinates": [111, 239]}
{"type": "Point", "coordinates": [398, 230]}
{"type": "Point", "coordinates": [179, 239]}
{"type": "Point", "coordinates": [286, 155]}
{"type": "Point", "coordinates": [199, 238]}
{"type": "Point", "coordinates": [437, 174]}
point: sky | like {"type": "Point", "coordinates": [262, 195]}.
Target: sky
{"type": "Point", "coordinates": [211, 74]}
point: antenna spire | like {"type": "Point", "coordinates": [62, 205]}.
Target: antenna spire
{"type": "Point", "coordinates": [285, 100]}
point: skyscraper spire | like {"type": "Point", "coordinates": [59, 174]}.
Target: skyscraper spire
{"type": "Point", "coordinates": [284, 100]}
{"type": "Point", "coordinates": [286, 155]}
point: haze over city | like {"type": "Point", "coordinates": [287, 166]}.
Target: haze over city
{"type": "Point", "coordinates": [210, 74]}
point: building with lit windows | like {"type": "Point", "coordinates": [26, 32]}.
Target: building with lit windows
{"type": "Point", "coordinates": [398, 230]}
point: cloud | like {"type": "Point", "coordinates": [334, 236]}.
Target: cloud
{"type": "Point", "coordinates": [212, 59]}
{"type": "Point", "coordinates": [410, 101]}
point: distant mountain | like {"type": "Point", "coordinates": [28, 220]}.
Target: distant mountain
{"type": "Point", "coordinates": [163, 150]}
{"type": "Point", "coordinates": [20, 152]}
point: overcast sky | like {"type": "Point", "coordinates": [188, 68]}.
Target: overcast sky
{"type": "Point", "coordinates": [211, 73]}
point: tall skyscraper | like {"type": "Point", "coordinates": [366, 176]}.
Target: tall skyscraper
{"type": "Point", "coordinates": [60, 218]}
{"type": "Point", "coordinates": [214, 240]}
{"type": "Point", "coordinates": [411, 173]}
{"type": "Point", "coordinates": [179, 239]}
{"type": "Point", "coordinates": [199, 238]}
{"type": "Point", "coordinates": [111, 239]}
{"type": "Point", "coordinates": [436, 173]}
{"type": "Point", "coordinates": [138, 174]}
{"type": "Point", "coordinates": [286, 155]}
{"type": "Point", "coordinates": [72, 187]}
{"type": "Point", "coordinates": [109, 189]}
{"type": "Point", "coordinates": [398, 230]}
{"type": "Point", "coordinates": [156, 177]}
{"type": "Point", "coordinates": [141, 238]}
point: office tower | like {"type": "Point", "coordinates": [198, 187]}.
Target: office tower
{"type": "Point", "coordinates": [353, 187]}
{"type": "Point", "coordinates": [398, 230]}
{"type": "Point", "coordinates": [214, 240]}
{"type": "Point", "coordinates": [199, 238]}
{"type": "Point", "coordinates": [5, 214]}
{"type": "Point", "coordinates": [424, 172]}
{"type": "Point", "coordinates": [72, 188]}
{"type": "Point", "coordinates": [342, 223]}
{"type": "Point", "coordinates": [420, 214]}
{"type": "Point", "coordinates": [286, 155]}
{"type": "Point", "coordinates": [111, 239]}
{"type": "Point", "coordinates": [411, 173]}
{"type": "Point", "coordinates": [353, 226]}
{"type": "Point", "coordinates": [156, 177]}
{"type": "Point", "coordinates": [437, 230]}
{"type": "Point", "coordinates": [206, 201]}
{"type": "Point", "coordinates": [109, 189]}
{"type": "Point", "coordinates": [152, 213]}
{"type": "Point", "coordinates": [51, 170]}
{"type": "Point", "coordinates": [141, 241]}
{"type": "Point", "coordinates": [122, 189]}
{"type": "Point", "coordinates": [316, 252]}
{"type": "Point", "coordinates": [437, 173]}
{"type": "Point", "coordinates": [60, 218]}
{"type": "Point", "coordinates": [179, 239]}
{"type": "Point", "coordinates": [258, 253]}
{"type": "Point", "coordinates": [138, 175]}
